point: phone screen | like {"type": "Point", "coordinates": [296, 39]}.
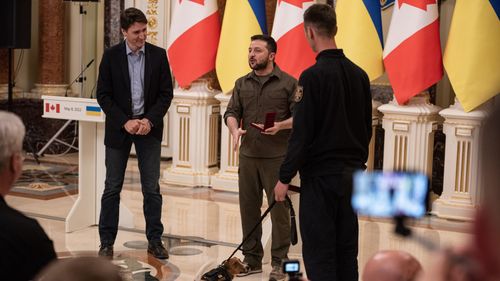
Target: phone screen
{"type": "Point", "coordinates": [291, 267]}
{"type": "Point", "coordinates": [386, 194]}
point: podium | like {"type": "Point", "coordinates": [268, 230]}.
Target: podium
{"type": "Point", "coordinates": [91, 165]}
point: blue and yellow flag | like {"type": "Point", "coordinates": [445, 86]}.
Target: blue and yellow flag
{"type": "Point", "coordinates": [472, 55]}
{"type": "Point", "coordinates": [360, 34]}
{"type": "Point", "coordinates": [242, 19]}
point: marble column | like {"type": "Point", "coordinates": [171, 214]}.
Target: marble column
{"type": "Point", "coordinates": [462, 174]}
{"type": "Point", "coordinates": [112, 31]}
{"type": "Point", "coordinates": [4, 73]}
{"type": "Point", "coordinates": [409, 134]}
{"type": "Point", "coordinates": [226, 179]}
{"type": "Point", "coordinates": [51, 68]}
{"type": "Point", "coordinates": [196, 120]}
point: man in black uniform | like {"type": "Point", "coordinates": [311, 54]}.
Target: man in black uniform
{"type": "Point", "coordinates": [330, 137]}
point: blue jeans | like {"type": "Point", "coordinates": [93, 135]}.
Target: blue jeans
{"type": "Point", "coordinates": [148, 151]}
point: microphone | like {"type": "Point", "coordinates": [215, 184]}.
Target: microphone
{"type": "Point", "coordinates": [88, 64]}
{"type": "Point", "coordinates": [78, 78]}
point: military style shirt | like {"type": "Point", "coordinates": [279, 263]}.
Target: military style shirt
{"type": "Point", "coordinates": [252, 98]}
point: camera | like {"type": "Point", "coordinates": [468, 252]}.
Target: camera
{"type": "Point", "coordinates": [292, 269]}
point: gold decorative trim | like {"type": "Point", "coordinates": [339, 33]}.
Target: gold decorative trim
{"type": "Point", "coordinates": [152, 15]}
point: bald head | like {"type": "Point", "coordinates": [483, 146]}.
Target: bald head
{"type": "Point", "coordinates": [81, 269]}
{"type": "Point", "coordinates": [391, 266]}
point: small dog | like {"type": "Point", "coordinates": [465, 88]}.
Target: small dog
{"type": "Point", "coordinates": [226, 271]}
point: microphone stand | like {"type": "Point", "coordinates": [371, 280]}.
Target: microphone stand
{"type": "Point", "coordinates": [79, 79]}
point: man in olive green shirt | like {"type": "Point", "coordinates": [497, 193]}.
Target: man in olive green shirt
{"type": "Point", "coordinates": [266, 89]}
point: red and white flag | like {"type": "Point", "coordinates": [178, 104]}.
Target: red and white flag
{"type": "Point", "coordinates": [193, 39]}
{"type": "Point", "coordinates": [50, 107]}
{"type": "Point", "coordinates": [294, 54]}
{"type": "Point", "coordinates": [412, 53]}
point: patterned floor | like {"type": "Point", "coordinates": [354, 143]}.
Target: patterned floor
{"type": "Point", "coordinates": [46, 181]}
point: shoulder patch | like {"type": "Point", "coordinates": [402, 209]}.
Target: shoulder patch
{"type": "Point", "coordinates": [299, 92]}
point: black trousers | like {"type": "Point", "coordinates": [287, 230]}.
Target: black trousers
{"type": "Point", "coordinates": [148, 151]}
{"type": "Point", "coordinates": [329, 228]}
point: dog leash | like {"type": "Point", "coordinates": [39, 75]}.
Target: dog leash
{"type": "Point", "coordinates": [293, 225]}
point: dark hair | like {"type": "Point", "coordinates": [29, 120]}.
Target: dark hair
{"type": "Point", "coordinates": [323, 18]}
{"type": "Point", "coordinates": [271, 44]}
{"type": "Point", "coordinates": [131, 16]}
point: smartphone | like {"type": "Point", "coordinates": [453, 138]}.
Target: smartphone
{"type": "Point", "coordinates": [291, 267]}
{"type": "Point", "coordinates": [390, 194]}
{"type": "Point", "coordinates": [268, 123]}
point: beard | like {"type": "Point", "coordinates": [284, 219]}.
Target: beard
{"type": "Point", "coordinates": [258, 65]}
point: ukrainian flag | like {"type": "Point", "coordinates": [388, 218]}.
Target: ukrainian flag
{"type": "Point", "coordinates": [472, 55]}
{"type": "Point", "coordinates": [242, 19]}
{"type": "Point", "coordinates": [93, 110]}
{"type": "Point", "coordinates": [360, 34]}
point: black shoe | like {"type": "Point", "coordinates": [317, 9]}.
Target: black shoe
{"type": "Point", "coordinates": [106, 251]}
{"type": "Point", "coordinates": [157, 250]}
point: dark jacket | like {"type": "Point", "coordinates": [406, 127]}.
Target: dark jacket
{"type": "Point", "coordinates": [332, 122]}
{"type": "Point", "coordinates": [25, 248]}
{"type": "Point", "coordinates": [115, 98]}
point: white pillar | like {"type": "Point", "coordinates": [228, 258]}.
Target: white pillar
{"type": "Point", "coordinates": [166, 143]}
{"type": "Point", "coordinates": [409, 134]}
{"type": "Point", "coordinates": [196, 115]}
{"type": "Point", "coordinates": [462, 181]}
{"type": "Point", "coordinates": [370, 163]}
{"type": "Point", "coordinates": [227, 177]}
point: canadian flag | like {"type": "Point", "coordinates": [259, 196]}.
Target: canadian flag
{"type": "Point", "coordinates": [294, 54]}
{"type": "Point", "coordinates": [49, 107]}
{"type": "Point", "coordinates": [412, 54]}
{"type": "Point", "coordinates": [193, 39]}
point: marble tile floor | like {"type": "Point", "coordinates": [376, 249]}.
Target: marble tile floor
{"type": "Point", "coordinates": [202, 227]}
{"type": "Point", "coordinates": [188, 259]}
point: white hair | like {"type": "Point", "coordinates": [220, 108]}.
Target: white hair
{"type": "Point", "coordinates": [11, 136]}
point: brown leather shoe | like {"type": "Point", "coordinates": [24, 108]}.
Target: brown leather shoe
{"type": "Point", "coordinates": [106, 251]}
{"type": "Point", "coordinates": [157, 250]}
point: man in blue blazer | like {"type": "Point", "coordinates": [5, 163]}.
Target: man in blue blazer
{"type": "Point", "coordinates": [134, 89]}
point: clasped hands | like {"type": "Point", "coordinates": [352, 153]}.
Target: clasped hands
{"type": "Point", "coordinates": [138, 126]}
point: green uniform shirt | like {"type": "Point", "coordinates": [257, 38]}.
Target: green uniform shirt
{"type": "Point", "coordinates": [250, 102]}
